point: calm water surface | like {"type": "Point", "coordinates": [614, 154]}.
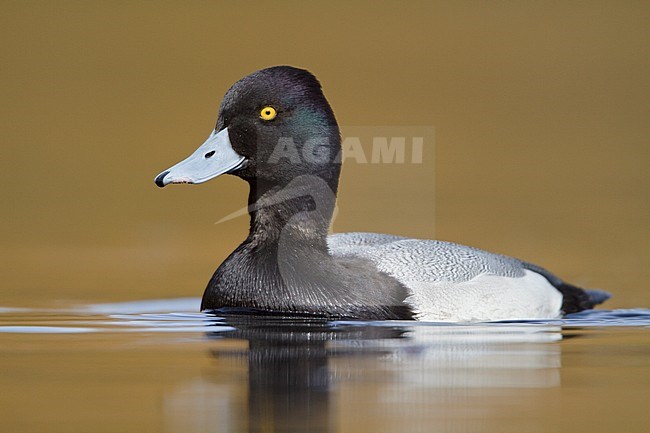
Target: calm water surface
{"type": "Point", "coordinates": [160, 366]}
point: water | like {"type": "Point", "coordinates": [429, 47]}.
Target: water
{"type": "Point", "coordinates": [161, 366]}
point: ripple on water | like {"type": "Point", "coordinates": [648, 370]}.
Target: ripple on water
{"type": "Point", "coordinates": [181, 315]}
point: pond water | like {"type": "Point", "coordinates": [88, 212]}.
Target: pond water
{"type": "Point", "coordinates": [159, 365]}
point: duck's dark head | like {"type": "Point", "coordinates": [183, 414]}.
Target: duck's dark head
{"type": "Point", "coordinates": [273, 126]}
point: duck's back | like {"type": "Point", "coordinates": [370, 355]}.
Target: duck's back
{"type": "Point", "coordinates": [451, 282]}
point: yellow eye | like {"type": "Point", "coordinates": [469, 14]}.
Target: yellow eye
{"type": "Point", "coordinates": [268, 113]}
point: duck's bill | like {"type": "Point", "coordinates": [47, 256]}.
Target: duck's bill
{"type": "Point", "coordinates": [213, 158]}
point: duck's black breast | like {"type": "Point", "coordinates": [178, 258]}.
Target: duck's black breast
{"type": "Point", "coordinates": [302, 279]}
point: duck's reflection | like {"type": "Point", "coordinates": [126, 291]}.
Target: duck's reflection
{"type": "Point", "coordinates": [314, 375]}
{"type": "Point", "coordinates": [289, 376]}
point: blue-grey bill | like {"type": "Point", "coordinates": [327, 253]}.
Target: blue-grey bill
{"type": "Point", "coordinates": [213, 158]}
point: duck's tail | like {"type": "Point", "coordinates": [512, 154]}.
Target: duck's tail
{"type": "Point", "coordinates": [597, 296]}
{"type": "Point", "coordinates": [575, 298]}
{"type": "Point", "coordinates": [578, 299]}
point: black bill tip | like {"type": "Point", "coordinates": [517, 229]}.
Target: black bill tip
{"type": "Point", "coordinates": [160, 177]}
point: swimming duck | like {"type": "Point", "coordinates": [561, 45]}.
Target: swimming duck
{"type": "Point", "coordinates": [276, 131]}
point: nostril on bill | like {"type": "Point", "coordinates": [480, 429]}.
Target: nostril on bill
{"type": "Point", "coordinates": [209, 154]}
{"type": "Point", "coordinates": [159, 179]}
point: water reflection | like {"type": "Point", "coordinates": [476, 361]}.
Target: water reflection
{"type": "Point", "coordinates": [290, 380]}
{"type": "Point", "coordinates": [314, 375]}
{"type": "Point", "coordinates": [162, 366]}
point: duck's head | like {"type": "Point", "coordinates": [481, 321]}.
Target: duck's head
{"type": "Point", "coordinates": [273, 126]}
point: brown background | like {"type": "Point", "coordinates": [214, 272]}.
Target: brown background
{"type": "Point", "coordinates": [540, 110]}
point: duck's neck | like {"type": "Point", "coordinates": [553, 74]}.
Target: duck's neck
{"type": "Point", "coordinates": [298, 212]}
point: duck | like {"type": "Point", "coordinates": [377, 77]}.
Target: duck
{"type": "Point", "coordinates": [276, 131]}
